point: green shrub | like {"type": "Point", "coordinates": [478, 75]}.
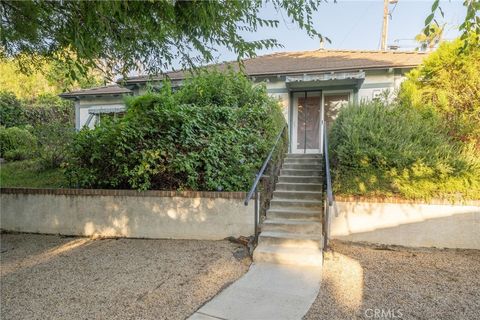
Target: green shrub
{"type": "Point", "coordinates": [18, 154]}
{"type": "Point", "coordinates": [54, 139]}
{"type": "Point", "coordinates": [44, 109]}
{"type": "Point", "coordinates": [10, 110]}
{"type": "Point", "coordinates": [386, 150]}
{"type": "Point", "coordinates": [212, 134]}
{"type": "Point", "coordinates": [448, 82]}
{"type": "Point", "coordinates": [16, 143]}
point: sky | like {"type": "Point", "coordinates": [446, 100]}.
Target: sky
{"type": "Point", "coordinates": [357, 24]}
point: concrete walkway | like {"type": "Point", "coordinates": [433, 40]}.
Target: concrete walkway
{"type": "Point", "coordinates": [266, 291]}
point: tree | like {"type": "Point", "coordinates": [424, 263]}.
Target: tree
{"type": "Point", "coordinates": [469, 28]}
{"type": "Point", "coordinates": [125, 36]}
{"type": "Point", "coordinates": [24, 86]}
{"type": "Point", "coordinates": [448, 83]}
{"type": "Point", "coordinates": [434, 37]}
{"type": "Point", "coordinates": [47, 79]}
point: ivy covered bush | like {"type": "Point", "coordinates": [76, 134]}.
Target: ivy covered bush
{"type": "Point", "coordinates": [34, 112]}
{"type": "Point", "coordinates": [211, 134]}
{"type": "Point", "coordinates": [394, 150]}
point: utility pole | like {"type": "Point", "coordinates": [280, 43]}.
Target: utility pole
{"type": "Point", "coordinates": [385, 26]}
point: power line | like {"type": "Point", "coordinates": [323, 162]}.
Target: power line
{"type": "Point", "coordinates": [360, 18]}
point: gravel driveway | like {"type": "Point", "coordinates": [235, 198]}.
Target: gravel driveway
{"type": "Point", "coordinates": [51, 277]}
{"type": "Point", "coordinates": [370, 282]}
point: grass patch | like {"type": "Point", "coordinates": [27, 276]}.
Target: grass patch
{"type": "Point", "coordinates": [28, 174]}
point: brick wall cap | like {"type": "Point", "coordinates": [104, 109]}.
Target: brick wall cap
{"type": "Point", "coordinates": [398, 200]}
{"type": "Point", "coordinates": [125, 193]}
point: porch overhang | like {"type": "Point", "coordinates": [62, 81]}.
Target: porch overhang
{"type": "Point", "coordinates": [353, 79]}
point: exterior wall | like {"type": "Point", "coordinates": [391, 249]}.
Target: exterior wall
{"type": "Point", "coordinates": [377, 81]}
{"type": "Point", "coordinates": [127, 213]}
{"type": "Point", "coordinates": [278, 89]}
{"type": "Point", "coordinates": [405, 223]}
{"type": "Point", "coordinates": [83, 105]}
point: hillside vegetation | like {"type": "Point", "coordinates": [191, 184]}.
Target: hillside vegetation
{"type": "Point", "coordinates": [425, 143]}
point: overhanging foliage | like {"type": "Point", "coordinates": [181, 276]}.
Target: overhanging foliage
{"type": "Point", "coordinates": [122, 36]}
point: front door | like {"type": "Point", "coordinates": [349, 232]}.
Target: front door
{"type": "Point", "coordinates": [306, 122]}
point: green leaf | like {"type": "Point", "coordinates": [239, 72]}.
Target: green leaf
{"type": "Point", "coordinates": [429, 19]}
{"type": "Point", "coordinates": [441, 12]}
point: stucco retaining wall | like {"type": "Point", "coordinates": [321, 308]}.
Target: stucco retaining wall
{"type": "Point", "coordinates": [126, 213]}
{"type": "Point", "coordinates": [406, 223]}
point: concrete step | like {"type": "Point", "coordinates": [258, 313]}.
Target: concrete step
{"type": "Point", "coordinates": [298, 179]}
{"type": "Point", "coordinates": [285, 186]}
{"type": "Point", "coordinates": [298, 195]}
{"type": "Point", "coordinates": [300, 173]}
{"type": "Point", "coordinates": [280, 203]}
{"type": "Point", "coordinates": [290, 239]}
{"type": "Point", "coordinates": [285, 255]}
{"type": "Point", "coordinates": [302, 166]}
{"type": "Point", "coordinates": [303, 156]}
{"type": "Point", "coordinates": [318, 161]}
{"type": "Point", "coordinates": [305, 226]}
{"type": "Point", "coordinates": [294, 213]}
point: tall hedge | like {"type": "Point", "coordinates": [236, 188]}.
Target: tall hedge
{"type": "Point", "coordinates": [211, 134]}
{"type": "Point", "coordinates": [44, 109]}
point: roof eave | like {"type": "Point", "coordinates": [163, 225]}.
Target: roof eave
{"type": "Point", "coordinates": [284, 73]}
{"type": "Point", "coordinates": [78, 96]}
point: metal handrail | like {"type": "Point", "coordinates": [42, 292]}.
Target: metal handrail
{"type": "Point", "coordinates": [327, 167]}
{"type": "Point", "coordinates": [253, 189]}
{"type": "Point", "coordinates": [329, 191]}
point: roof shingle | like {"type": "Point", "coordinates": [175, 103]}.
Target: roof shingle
{"type": "Point", "coordinates": [284, 63]}
{"type": "Point", "coordinates": [311, 61]}
{"type": "Point", "coordinates": [105, 90]}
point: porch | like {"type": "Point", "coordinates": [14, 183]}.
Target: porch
{"type": "Point", "coordinates": [314, 101]}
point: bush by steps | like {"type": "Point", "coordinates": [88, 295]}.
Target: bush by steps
{"type": "Point", "coordinates": [211, 134]}
{"type": "Point", "coordinates": [385, 150]}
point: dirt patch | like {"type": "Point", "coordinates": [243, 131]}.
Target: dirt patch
{"type": "Point", "coordinates": [388, 282]}
{"type": "Point", "coordinates": [51, 277]}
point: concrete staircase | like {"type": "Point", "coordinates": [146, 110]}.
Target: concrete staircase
{"type": "Point", "coordinates": [292, 231]}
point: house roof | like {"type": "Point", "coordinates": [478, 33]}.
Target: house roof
{"type": "Point", "coordinates": [105, 90]}
{"type": "Point", "coordinates": [283, 63]}
{"type": "Point", "coordinates": [289, 63]}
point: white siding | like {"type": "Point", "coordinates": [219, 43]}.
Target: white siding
{"type": "Point", "coordinates": [83, 106]}
{"type": "Point", "coordinates": [378, 81]}
{"type": "Point", "coordinates": [282, 95]}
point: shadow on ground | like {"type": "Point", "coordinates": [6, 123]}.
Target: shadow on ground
{"type": "Point", "coordinates": [361, 281]}
{"type": "Point", "coordinates": [50, 277]}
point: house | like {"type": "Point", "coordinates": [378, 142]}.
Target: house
{"type": "Point", "coordinates": [311, 85]}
